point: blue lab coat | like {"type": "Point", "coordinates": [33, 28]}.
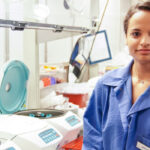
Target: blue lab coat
{"type": "Point", "coordinates": [111, 122]}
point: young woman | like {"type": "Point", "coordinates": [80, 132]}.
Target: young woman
{"type": "Point", "coordinates": [118, 114]}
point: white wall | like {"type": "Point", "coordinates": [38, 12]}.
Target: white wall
{"type": "Point", "coordinates": [2, 35]}
{"type": "Point", "coordinates": [11, 43]}
{"type": "Point", "coordinates": [113, 24]}
{"type": "Point", "coordinates": [59, 51]}
{"type": "Point", "coordinates": [62, 16]}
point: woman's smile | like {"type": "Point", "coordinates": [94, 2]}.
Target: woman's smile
{"type": "Point", "coordinates": [143, 51]}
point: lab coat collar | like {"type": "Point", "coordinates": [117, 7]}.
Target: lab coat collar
{"type": "Point", "coordinates": [117, 77]}
{"type": "Point", "coordinates": [142, 103]}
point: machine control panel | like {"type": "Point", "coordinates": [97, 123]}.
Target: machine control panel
{"type": "Point", "coordinates": [49, 135]}
{"type": "Point", "coordinates": [72, 120]}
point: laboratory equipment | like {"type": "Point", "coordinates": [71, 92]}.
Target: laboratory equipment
{"type": "Point", "coordinates": [9, 145]}
{"type": "Point", "coordinates": [13, 91]}
{"type": "Point", "coordinates": [67, 123]}
{"type": "Point", "coordinates": [28, 133]}
{"type": "Point", "coordinates": [76, 92]}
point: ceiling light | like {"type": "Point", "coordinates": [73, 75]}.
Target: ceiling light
{"type": "Point", "coordinates": [41, 11]}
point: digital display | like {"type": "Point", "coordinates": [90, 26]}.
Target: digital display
{"type": "Point", "coordinates": [49, 135]}
{"type": "Point", "coordinates": [72, 120]}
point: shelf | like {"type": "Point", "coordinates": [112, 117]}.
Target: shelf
{"type": "Point", "coordinates": [50, 35]}
{"type": "Point", "coordinates": [45, 32]}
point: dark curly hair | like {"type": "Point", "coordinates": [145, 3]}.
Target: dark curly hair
{"type": "Point", "coordinates": [139, 6]}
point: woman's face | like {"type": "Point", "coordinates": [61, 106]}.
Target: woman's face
{"type": "Point", "coordinates": [138, 36]}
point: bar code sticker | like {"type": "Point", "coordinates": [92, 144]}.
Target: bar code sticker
{"type": "Point", "coordinates": [142, 146]}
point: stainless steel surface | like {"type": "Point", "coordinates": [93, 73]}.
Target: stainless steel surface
{"type": "Point", "coordinates": [41, 113]}
{"type": "Point", "coordinates": [21, 25]}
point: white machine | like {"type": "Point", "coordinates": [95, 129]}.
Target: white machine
{"type": "Point", "coordinates": [9, 145]}
{"type": "Point", "coordinates": [27, 133]}
{"type": "Point", "coordinates": [13, 93]}
{"type": "Point", "coordinates": [68, 123]}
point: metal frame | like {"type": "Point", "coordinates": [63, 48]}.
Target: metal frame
{"type": "Point", "coordinates": [21, 25]}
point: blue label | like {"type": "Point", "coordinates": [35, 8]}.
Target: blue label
{"type": "Point", "coordinates": [49, 135]}
{"type": "Point", "coordinates": [72, 120]}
